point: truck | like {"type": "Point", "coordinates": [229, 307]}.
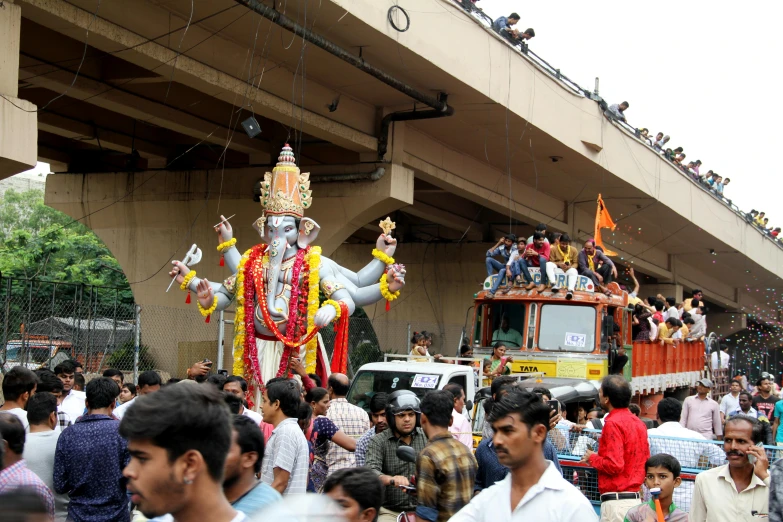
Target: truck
{"type": "Point", "coordinates": [35, 351]}
{"type": "Point", "coordinates": [573, 342]}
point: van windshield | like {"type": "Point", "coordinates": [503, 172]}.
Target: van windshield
{"type": "Point", "coordinates": [368, 383]}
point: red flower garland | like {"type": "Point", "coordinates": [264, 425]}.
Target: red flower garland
{"type": "Point", "coordinates": [251, 349]}
{"type": "Point", "coordinates": [291, 329]}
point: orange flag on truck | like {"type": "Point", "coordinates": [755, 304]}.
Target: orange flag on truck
{"type": "Point", "coordinates": [602, 220]}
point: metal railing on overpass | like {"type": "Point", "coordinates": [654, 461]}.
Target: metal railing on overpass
{"type": "Point", "coordinates": [523, 48]}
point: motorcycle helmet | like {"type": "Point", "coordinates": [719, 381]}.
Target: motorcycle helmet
{"type": "Point", "coordinates": [400, 401]}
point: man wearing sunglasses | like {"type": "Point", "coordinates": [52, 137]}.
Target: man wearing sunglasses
{"type": "Point", "coordinates": [402, 414]}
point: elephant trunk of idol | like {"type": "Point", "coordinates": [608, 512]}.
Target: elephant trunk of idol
{"type": "Point", "coordinates": [276, 254]}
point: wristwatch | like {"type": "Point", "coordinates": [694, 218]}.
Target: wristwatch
{"type": "Point", "coordinates": [392, 483]}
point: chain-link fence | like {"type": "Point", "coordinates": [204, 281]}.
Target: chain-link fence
{"type": "Point", "coordinates": [43, 323]}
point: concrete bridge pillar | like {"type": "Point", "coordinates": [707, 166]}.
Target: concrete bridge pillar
{"type": "Point", "coordinates": [148, 218]}
{"type": "Point", "coordinates": [18, 119]}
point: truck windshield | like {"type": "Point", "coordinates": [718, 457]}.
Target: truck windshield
{"type": "Point", "coordinates": [567, 328]}
{"type": "Point", "coordinates": [368, 383]}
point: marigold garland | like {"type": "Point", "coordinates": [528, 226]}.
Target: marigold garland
{"type": "Point", "coordinates": [389, 296]}
{"type": "Point", "coordinates": [337, 309]}
{"type": "Point", "coordinates": [380, 256]}
{"type": "Point", "coordinates": [186, 280]}
{"type": "Point", "coordinates": [205, 312]}
{"type": "Point", "coordinates": [227, 244]}
{"type": "Point", "coordinates": [292, 331]}
{"type": "Point", "coordinates": [314, 264]}
{"type": "Point", "coordinates": [239, 318]}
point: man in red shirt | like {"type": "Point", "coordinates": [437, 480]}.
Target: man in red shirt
{"type": "Point", "coordinates": [535, 254]}
{"type": "Point", "coordinates": [622, 451]}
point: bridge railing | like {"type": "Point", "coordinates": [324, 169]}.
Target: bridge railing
{"type": "Point", "coordinates": [479, 15]}
{"type": "Point", "coordinates": [522, 47]}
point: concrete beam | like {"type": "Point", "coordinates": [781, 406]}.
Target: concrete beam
{"type": "Point", "coordinates": [446, 219]}
{"type": "Point", "coordinates": [115, 99]}
{"type": "Point", "coordinates": [109, 36]}
{"type": "Point", "coordinates": [18, 133]}
{"type": "Point", "coordinates": [88, 133]}
{"type": "Point", "coordinates": [490, 198]}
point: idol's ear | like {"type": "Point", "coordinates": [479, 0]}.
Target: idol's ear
{"type": "Point", "coordinates": [308, 231]}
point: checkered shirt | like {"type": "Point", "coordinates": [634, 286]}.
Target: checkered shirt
{"type": "Point", "coordinates": [361, 446]}
{"type": "Point", "coordinates": [445, 475]}
{"type": "Point", "coordinates": [354, 422]}
{"type": "Point", "coordinates": [63, 420]}
{"type": "Point", "coordinates": [18, 476]}
{"type": "Point", "coordinates": [382, 459]}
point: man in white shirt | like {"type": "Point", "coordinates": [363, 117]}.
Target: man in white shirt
{"type": "Point", "coordinates": [671, 311]}
{"type": "Point", "coordinates": [730, 402]}
{"type": "Point", "coordinates": [725, 358]}
{"type": "Point", "coordinates": [520, 422]}
{"type": "Point", "coordinates": [287, 455]}
{"type": "Point", "coordinates": [40, 445]}
{"type": "Point", "coordinates": [149, 382]}
{"type": "Point", "coordinates": [460, 426]}
{"type": "Point", "coordinates": [72, 401]}
{"type": "Point", "coordinates": [18, 386]}
{"type": "Point", "coordinates": [732, 492]}
{"type": "Point", "coordinates": [688, 453]}
{"type": "Point", "coordinates": [236, 385]}
{"type": "Point", "coordinates": [178, 439]}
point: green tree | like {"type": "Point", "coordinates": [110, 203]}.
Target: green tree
{"type": "Point", "coordinates": [41, 244]}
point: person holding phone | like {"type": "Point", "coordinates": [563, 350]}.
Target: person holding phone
{"type": "Point", "coordinates": [498, 362]}
{"type": "Point", "coordinates": [739, 489]}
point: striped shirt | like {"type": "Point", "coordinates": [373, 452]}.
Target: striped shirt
{"type": "Point", "coordinates": [363, 443]}
{"type": "Point", "coordinates": [287, 449]}
{"type": "Point", "coordinates": [354, 422]}
{"type": "Point", "coordinates": [18, 476]}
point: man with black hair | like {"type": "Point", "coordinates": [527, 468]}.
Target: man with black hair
{"type": "Point", "coordinates": [541, 227]}
{"type": "Point", "coordinates": [48, 382]}
{"type": "Point", "coordinates": [18, 386]}
{"type": "Point", "coordinates": [378, 404]}
{"type": "Point", "coordinates": [536, 254]}
{"type": "Point", "coordinates": [445, 468]}
{"type": "Point", "coordinates": [149, 382]}
{"type": "Point", "coordinates": [178, 440]}
{"type": "Point", "coordinates": [352, 420]}
{"type": "Point", "coordinates": [72, 401]}
{"type": "Point", "coordinates": [245, 492]}
{"type": "Point", "coordinates": [79, 382]}
{"type": "Point", "coordinates": [733, 491]}
{"type": "Point", "coordinates": [503, 248]}
{"type": "Point", "coordinates": [666, 438]}
{"type": "Point", "coordinates": [671, 310]}
{"type": "Point", "coordinates": [594, 264]}
{"type": "Point", "coordinates": [697, 294]}
{"type": "Point", "coordinates": [765, 401]}
{"type": "Point", "coordinates": [505, 25]}
{"type": "Point", "coordinates": [287, 457]}
{"type": "Point", "coordinates": [115, 375]}
{"type": "Point", "coordinates": [622, 452]}
{"type": "Point", "coordinates": [15, 474]}
{"type": "Point", "coordinates": [617, 111]}
{"type": "Point", "coordinates": [563, 260]}
{"type": "Point", "coordinates": [460, 426]}
{"type": "Point", "coordinates": [358, 492]}
{"type": "Point", "coordinates": [41, 443]}
{"type": "Point", "coordinates": [236, 385]}
{"type": "Point", "coordinates": [89, 459]}
{"type": "Point", "coordinates": [533, 489]}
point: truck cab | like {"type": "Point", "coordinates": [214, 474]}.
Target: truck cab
{"type": "Point", "coordinates": [418, 377]}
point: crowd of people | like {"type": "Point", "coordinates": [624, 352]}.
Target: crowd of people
{"type": "Point", "coordinates": [194, 448]}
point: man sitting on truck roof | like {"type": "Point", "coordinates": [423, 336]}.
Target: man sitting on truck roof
{"type": "Point", "coordinates": [506, 334]}
{"type": "Point", "coordinates": [596, 265]}
{"type": "Point", "coordinates": [563, 259]}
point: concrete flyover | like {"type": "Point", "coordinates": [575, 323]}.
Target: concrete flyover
{"type": "Point", "coordinates": [146, 140]}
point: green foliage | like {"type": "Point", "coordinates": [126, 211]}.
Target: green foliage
{"type": "Point", "coordinates": [122, 358]}
{"type": "Point", "coordinates": [39, 242]}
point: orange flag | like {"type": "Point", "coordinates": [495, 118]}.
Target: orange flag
{"type": "Point", "coordinates": [603, 220]}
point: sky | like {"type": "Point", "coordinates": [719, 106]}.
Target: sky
{"type": "Point", "coordinates": [705, 73]}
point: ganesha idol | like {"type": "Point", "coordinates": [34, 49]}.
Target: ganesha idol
{"type": "Point", "coordinates": [276, 283]}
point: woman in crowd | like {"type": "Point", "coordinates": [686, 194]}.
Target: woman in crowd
{"type": "Point", "coordinates": [498, 362]}
{"type": "Point", "coordinates": [319, 431]}
{"type": "Point", "coordinates": [127, 393]}
{"type": "Point", "coordinates": [641, 320]}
